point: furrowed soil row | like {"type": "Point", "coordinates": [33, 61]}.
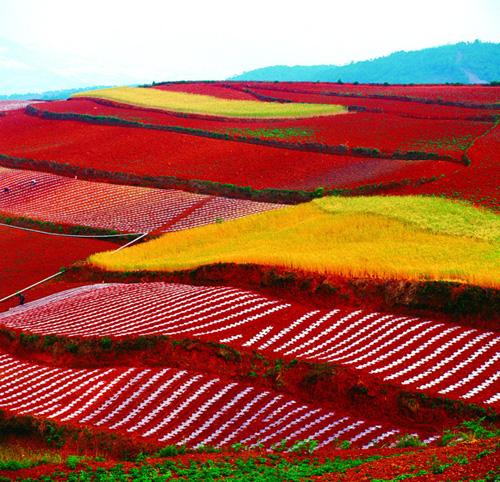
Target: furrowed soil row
{"type": "Point", "coordinates": [438, 359]}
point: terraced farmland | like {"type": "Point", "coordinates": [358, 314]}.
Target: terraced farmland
{"type": "Point", "coordinates": [286, 292]}
{"type": "Point", "coordinates": [174, 406]}
{"type": "Point", "coordinates": [422, 355]}
{"type": "Point", "coordinates": [122, 208]}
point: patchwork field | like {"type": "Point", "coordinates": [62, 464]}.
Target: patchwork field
{"type": "Point", "coordinates": [388, 142]}
{"type": "Point", "coordinates": [482, 186]}
{"type": "Point", "coordinates": [293, 281]}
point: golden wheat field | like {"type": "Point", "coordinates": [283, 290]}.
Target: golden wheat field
{"type": "Point", "coordinates": [208, 105]}
{"type": "Point", "coordinates": [405, 238]}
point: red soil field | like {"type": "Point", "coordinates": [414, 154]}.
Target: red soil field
{"type": "Point", "coordinates": [213, 89]}
{"type": "Point", "coordinates": [474, 94]}
{"type": "Point", "coordinates": [387, 106]}
{"type": "Point", "coordinates": [478, 182]}
{"type": "Point", "coordinates": [387, 132]}
{"type": "Point", "coordinates": [154, 153]}
{"type": "Point", "coordinates": [475, 460]}
{"type": "Point", "coordinates": [29, 257]}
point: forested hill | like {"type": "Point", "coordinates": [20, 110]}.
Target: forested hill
{"type": "Point", "coordinates": [475, 62]}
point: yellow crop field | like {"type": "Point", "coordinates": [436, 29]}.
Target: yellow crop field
{"type": "Point", "coordinates": [419, 239]}
{"type": "Point", "coordinates": [209, 105]}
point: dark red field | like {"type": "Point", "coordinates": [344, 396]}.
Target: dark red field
{"type": "Point", "coordinates": [153, 153]}
{"type": "Point", "coordinates": [385, 132]}
{"type": "Point", "coordinates": [478, 182]}
{"type": "Point", "coordinates": [464, 94]}
{"type": "Point", "coordinates": [29, 257]}
{"type": "Point", "coordinates": [215, 89]}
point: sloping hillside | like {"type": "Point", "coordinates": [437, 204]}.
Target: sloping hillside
{"type": "Point", "coordinates": [475, 62]}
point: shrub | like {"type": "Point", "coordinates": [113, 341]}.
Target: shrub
{"type": "Point", "coordinates": [72, 461]}
{"type": "Point", "coordinates": [304, 446]}
{"type": "Point", "coordinates": [319, 192]}
{"type": "Point", "coordinates": [409, 441]}
{"type": "Point", "coordinates": [171, 450]}
{"type": "Point", "coordinates": [366, 151]}
{"type": "Point", "coordinates": [106, 343]}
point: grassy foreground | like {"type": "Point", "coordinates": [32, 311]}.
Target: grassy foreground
{"type": "Point", "coordinates": [414, 238]}
{"type": "Point", "coordinates": [208, 105]}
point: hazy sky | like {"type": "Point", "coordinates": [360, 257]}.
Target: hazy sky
{"type": "Point", "coordinates": [119, 41]}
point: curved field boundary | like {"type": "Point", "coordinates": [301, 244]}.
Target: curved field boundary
{"type": "Point", "coordinates": [172, 406]}
{"type": "Point", "coordinates": [420, 355]}
{"type": "Point", "coordinates": [214, 89]}
{"type": "Point", "coordinates": [181, 115]}
{"type": "Point", "coordinates": [123, 208]}
{"type": "Point", "coordinates": [339, 149]}
{"type": "Point", "coordinates": [480, 185]}
{"type": "Point", "coordinates": [380, 105]}
{"type": "Point", "coordinates": [209, 105]}
{"type": "Point", "coordinates": [266, 195]}
{"type": "Point", "coordinates": [473, 94]}
{"type": "Point", "coordinates": [384, 131]}
{"type": "Point", "coordinates": [467, 105]}
{"type": "Point", "coordinates": [66, 235]}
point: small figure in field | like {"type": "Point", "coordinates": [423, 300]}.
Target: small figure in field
{"type": "Point", "coordinates": [33, 182]}
{"type": "Point", "coordinates": [6, 190]}
{"type": "Point", "coordinates": [21, 298]}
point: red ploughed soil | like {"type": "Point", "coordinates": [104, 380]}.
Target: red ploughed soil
{"type": "Point", "coordinates": [213, 89]}
{"type": "Point", "coordinates": [26, 258]}
{"type": "Point", "coordinates": [473, 94]}
{"type": "Point", "coordinates": [154, 153]}
{"type": "Point", "coordinates": [478, 182]}
{"type": "Point", "coordinates": [467, 461]}
{"type": "Point", "coordinates": [386, 132]}
{"type": "Point", "coordinates": [402, 108]}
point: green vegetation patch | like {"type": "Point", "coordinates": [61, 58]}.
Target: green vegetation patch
{"type": "Point", "coordinates": [269, 468]}
{"type": "Point", "coordinates": [442, 216]}
{"type": "Point", "coordinates": [444, 143]}
{"type": "Point", "coordinates": [276, 133]}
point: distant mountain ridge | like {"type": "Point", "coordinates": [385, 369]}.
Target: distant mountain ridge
{"type": "Point", "coordinates": [474, 62]}
{"type": "Point", "coordinates": [50, 94]}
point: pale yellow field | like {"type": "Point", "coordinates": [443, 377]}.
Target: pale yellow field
{"type": "Point", "coordinates": [323, 237]}
{"type": "Point", "coordinates": [208, 105]}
